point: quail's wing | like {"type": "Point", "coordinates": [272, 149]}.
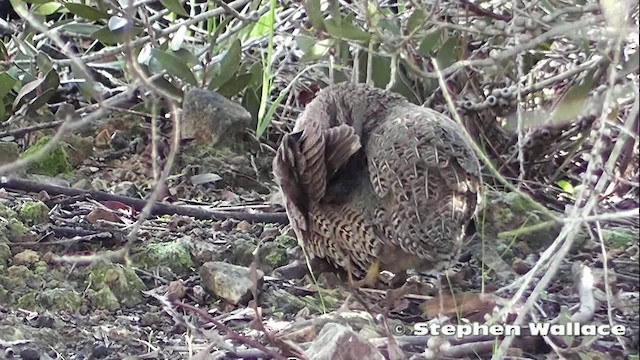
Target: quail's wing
{"type": "Point", "coordinates": [427, 177]}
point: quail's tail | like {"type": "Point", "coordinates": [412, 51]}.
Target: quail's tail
{"type": "Point", "coordinates": [304, 162]}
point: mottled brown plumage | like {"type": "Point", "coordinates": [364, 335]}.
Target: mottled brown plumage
{"type": "Point", "coordinates": [370, 179]}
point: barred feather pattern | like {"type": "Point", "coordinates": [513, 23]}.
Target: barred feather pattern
{"type": "Point", "coordinates": [367, 175]}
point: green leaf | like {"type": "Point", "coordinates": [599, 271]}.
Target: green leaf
{"type": "Point", "coordinates": [381, 70]}
{"type": "Point", "coordinates": [44, 62]}
{"type": "Point", "coordinates": [228, 65]}
{"type": "Point", "coordinates": [565, 186]}
{"type": "Point", "coordinates": [218, 31]}
{"type": "Point", "coordinates": [52, 80]}
{"type": "Point", "coordinates": [416, 19]}
{"type": "Point", "coordinates": [108, 37]}
{"type": "Point", "coordinates": [40, 101]}
{"type": "Point", "coordinates": [251, 102]}
{"type": "Point", "coordinates": [448, 52]}
{"type": "Point", "coordinates": [573, 101]}
{"type": "Point", "coordinates": [46, 9]}
{"type": "Point", "coordinates": [390, 26]}
{"type": "Point", "coordinates": [315, 14]}
{"type": "Point", "coordinates": [25, 47]}
{"type": "Point", "coordinates": [256, 74]}
{"type": "Point", "coordinates": [175, 7]}
{"type": "Point", "coordinates": [20, 7]}
{"type": "Point", "coordinates": [235, 86]}
{"type": "Point", "coordinates": [344, 30]}
{"type": "Point", "coordinates": [263, 26]}
{"type": "Point", "coordinates": [27, 89]}
{"type": "Point", "coordinates": [3, 111]}
{"type": "Point", "coordinates": [86, 12]}
{"type": "Point", "coordinates": [187, 56]}
{"type": "Point", "coordinates": [429, 42]}
{"type": "Point", "coordinates": [80, 29]}
{"type": "Point", "coordinates": [6, 84]}
{"type": "Point", "coordinates": [267, 78]}
{"type": "Point", "coordinates": [175, 66]}
{"type": "Point", "coordinates": [167, 86]}
{"type": "Point", "coordinates": [312, 48]}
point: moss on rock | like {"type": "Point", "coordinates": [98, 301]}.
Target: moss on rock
{"type": "Point", "coordinates": [21, 276]}
{"type": "Point", "coordinates": [53, 163]}
{"type": "Point", "coordinates": [34, 213]}
{"type": "Point", "coordinates": [174, 255]}
{"type": "Point", "coordinates": [104, 299]}
{"type": "Point", "coordinates": [5, 255]}
{"type": "Point", "coordinates": [619, 237]}
{"type": "Point", "coordinates": [59, 299]}
{"type": "Point", "coordinates": [27, 301]}
{"type": "Point", "coordinates": [122, 281]}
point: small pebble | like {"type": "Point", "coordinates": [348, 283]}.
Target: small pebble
{"type": "Point", "coordinates": [99, 351]}
{"type": "Point", "coordinates": [30, 354]}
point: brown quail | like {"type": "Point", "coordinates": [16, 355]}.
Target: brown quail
{"type": "Point", "coordinates": [373, 182]}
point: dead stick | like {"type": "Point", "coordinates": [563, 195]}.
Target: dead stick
{"type": "Point", "coordinates": [26, 130]}
{"type": "Point", "coordinates": [138, 204]}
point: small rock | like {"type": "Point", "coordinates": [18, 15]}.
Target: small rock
{"type": "Point", "coordinates": [243, 225]}
{"type": "Point", "coordinates": [176, 290]}
{"type": "Point", "coordinates": [227, 281]}
{"type": "Point", "coordinates": [149, 319]}
{"type": "Point", "coordinates": [34, 213]}
{"type": "Point", "coordinates": [79, 149]}
{"type": "Point", "coordinates": [29, 354]}
{"type": "Point", "coordinates": [27, 257]}
{"type": "Point", "coordinates": [199, 294]}
{"type": "Point", "coordinates": [173, 255]}
{"type": "Point", "coordinates": [211, 118]}
{"type": "Point", "coordinates": [119, 141]}
{"type": "Point", "coordinates": [44, 321]}
{"type": "Point", "coordinates": [520, 266]}
{"type": "Point", "coordinates": [99, 351]}
{"type": "Point", "coordinates": [269, 233]}
{"type": "Point", "coordinates": [59, 299]}
{"type": "Point", "coordinates": [101, 214]}
{"type": "Point", "coordinates": [228, 224]}
{"type": "Point", "coordinates": [99, 184]}
{"type": "Point", "coordinates": [297, 269]}
{"type": "Point", "coordinates": [126, 188]}
{"type": "Point", "coordinates": [338, 342]}
{"type": "Point", "coordinates": [121, 281]}
{"type": "Point", "coordinates": [9, 152]}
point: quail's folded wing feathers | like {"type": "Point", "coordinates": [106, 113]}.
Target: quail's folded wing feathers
{"type": "Point", "coordinates": [419, 167]}
{"type": "Point", "coordinates": [341, 143]}
{"type": "Point", "coordinates": [303, 164]}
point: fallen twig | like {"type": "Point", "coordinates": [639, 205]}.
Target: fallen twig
{"type": "Point", "coordinates": [138, 204]}
{"type": "Point", "coordinates": [28, 129]}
